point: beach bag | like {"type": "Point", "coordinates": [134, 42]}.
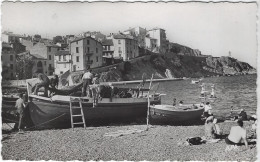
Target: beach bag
{"type": "Point", "coordinates": [195, 141]}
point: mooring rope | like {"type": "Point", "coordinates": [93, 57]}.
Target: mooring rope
{"type": "Point", "coordinates": [45, 122]}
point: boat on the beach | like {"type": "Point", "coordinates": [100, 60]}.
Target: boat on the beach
{"type": "Point", "coordinates": [54, 112]}
{"type": "Point", "coordinates": [169, 113]}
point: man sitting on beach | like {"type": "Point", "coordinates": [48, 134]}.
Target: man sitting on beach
{"type": "Point", "coordinates": [237, 135]}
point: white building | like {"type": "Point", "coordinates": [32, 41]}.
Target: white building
{"type": "Point", "coordinates": [62, 62]}
{"type": "Point", "coordinates": [160, 35]}
{"type": "Point", "coordinates": [86, 53]}
{"type": "Point", "coordinates": [125, 46]}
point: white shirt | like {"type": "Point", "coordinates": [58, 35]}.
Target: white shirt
{"type": "Point", "coordinates": [236, 134]}
{"type": "Point", "coordinates": [87, 75]}
{"type": "Point", "coordinates": [207, 108]}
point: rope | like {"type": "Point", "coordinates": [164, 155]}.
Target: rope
{"type": "Point", "coordinates": [46, 122]}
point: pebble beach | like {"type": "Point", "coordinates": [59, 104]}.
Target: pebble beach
{"type": "Point", "coordinates": [160, 142]}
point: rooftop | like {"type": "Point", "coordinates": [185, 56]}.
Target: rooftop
{"type": "Point", "coordinates": [13, 35]}
{"type": "Point", "coordinates": [6, 45]}
{"type": "Point", "coordinates": [122, 36]}
{"type": "Point", "coordinates": [62, 52]}
{"type": "Point", "coordinates": [108, 42]}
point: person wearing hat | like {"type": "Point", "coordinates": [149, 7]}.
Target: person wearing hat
{"type": "Point", "coordinates": [87, 80]}
{"type": "Point", "coordinates": [237, 135]}
{"type": "Point", "coordinates": [44, 82]}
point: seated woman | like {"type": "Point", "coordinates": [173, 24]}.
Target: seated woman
{"type": "Point", "coordinates": [210, 131]}
{"type": "Point", "coordinates": [252, 132]}
{"type": "Point", "coordinates": [237, 135]}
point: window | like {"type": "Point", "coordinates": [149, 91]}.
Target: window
{"type": "Point", "coordinates": [61, 72]}
{"type": "Point", "coordinates": [45, 63]}
{"type": "Point", "coordinates": [87, 42]}
{"type": "Point", "coordinates": [49, 57]}
{"type": "Point", "coordinates": [11, 58]}
{"type": "Point", "coordinates": [11, 66]}
{"type": "Point", "coordinates": [96, 50]}
{"type": "Point", "coordinates": [77, 49]}
{"type": "Point", "coordinates": [64, 58]}
{"type": "Point", "coordinates": [77, 58]}
{"type": "Point", "coordinates": [88, 49]}
{"type": "Point", "coordinates": [88, 58]}
{"type": "Point", "coordinates": [108, 48]}
{"type": "Point", "coordinates": [97, 58]}
{"type": "Point", "coordinates": [49, 49]}
{"type": "Point", "coordinates": [59, 57]}
{"type": "Point", "coordinates": [49, 65]}
{"type": "Point", "coordinates": [119, 41]}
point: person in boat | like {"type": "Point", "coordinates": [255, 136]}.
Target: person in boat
{"type": "Point", "coordinates": [44, 82]}
{"type": "Point", "coordinates": [174, 102]}
{"type": "Point", "coordinates": [95, 89]}
{"type": "Point", "coordinates": [20, 106]}
{"type": "Point", "coordinates": [54, 83]}
{"type": "Point", "coordinates": [87, 80]}
{"type": "Point", "coordinates": [237, 135]}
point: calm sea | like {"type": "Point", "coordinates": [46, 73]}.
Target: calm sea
{"type": "Point", "coordinates": [236, 91]}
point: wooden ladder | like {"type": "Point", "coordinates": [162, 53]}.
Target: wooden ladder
{"type": "Point", "coordinates": [72, 115]}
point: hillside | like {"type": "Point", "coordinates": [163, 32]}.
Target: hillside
{"type": "Point", "coordinates": [181, 62]}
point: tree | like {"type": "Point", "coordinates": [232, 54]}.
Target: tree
{"type": "Point", "coordinates": [24, 65]}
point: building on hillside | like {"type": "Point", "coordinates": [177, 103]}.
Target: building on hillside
{"type": "Point", "coordinates": [62, 62]}
{"type": "Point", "coordinates": [125, 46]}
{"type": "Point", "coordinates": [8, 62]}
{"type": "Point", "coordinates": [47, 51]}
{"type": "Point", "coordinates": [86, 53]}
{"type": "Point", "coordinates": [160, 35]}
{"type": "Point", "coordinates": [151, 44]}
{"type": "Point", "coordinates": [139, 34]}
{"type": "Point", "coordinates": [10, 37]}
{"type": "Point", "coordinates": [108, 51]}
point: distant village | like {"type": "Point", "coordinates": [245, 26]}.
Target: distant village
{"type": "Point", "coordinates": [24, 55]}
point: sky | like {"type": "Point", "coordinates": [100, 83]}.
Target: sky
{"type": "Point", "coordinates": [213, 28]}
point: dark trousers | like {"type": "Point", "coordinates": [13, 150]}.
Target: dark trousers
{"type": "Point", "coordinates": [86, 83]}
{"type": "Point", "coordinates": [44, 84]}
{"type": "Point", "coordinates": [21, 115]}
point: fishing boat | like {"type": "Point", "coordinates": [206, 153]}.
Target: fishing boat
{"type": "Point", "coordinates": [54, 112]}
{"type": "Point", "coordinates": [169, 113]}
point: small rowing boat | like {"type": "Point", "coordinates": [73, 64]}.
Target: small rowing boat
{"type": "Point", "coordinates": [169, 113]}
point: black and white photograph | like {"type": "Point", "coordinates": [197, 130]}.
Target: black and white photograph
{"type": "Point", "coordinates": [129, 80]}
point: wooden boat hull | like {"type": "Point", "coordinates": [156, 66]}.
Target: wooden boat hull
{"type": "Point", "coordinates": [168, 113]}
{"type": "Point", "coordinates": [47, 113]}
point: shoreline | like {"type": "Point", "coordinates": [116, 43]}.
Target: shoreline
{"type": "Point", "coordinates": [160, 142]}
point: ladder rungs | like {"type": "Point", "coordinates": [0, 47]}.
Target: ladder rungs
{"type": "Point", "coordinates": [77, 115]}
{"type": "Point", "coordinates": [79, 123]}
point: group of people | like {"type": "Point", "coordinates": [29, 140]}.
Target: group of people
{"type": "Point", "coordinates": [48, 84]}
{"type": "Point", "coordinates": [238, 134]}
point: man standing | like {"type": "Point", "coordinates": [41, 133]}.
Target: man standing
{"type": "Point", "coordinates": [20, 109]}
{"type": "Point", "coordinates": [86, 79]}
{"type": "Point", "coordinates": [44, 82]}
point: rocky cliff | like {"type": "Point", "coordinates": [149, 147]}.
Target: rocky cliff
{"type": "Point", "coordinates": [180, 62]}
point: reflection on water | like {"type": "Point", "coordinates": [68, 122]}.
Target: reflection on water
{"type": "Point", "coordinates": [236, 91]}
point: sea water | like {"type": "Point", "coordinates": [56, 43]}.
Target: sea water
{"type": "Point", "coordinates": [236, 91]}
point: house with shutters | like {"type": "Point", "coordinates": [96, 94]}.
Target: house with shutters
{"type": "Point", "coordinates": [85, 53]}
